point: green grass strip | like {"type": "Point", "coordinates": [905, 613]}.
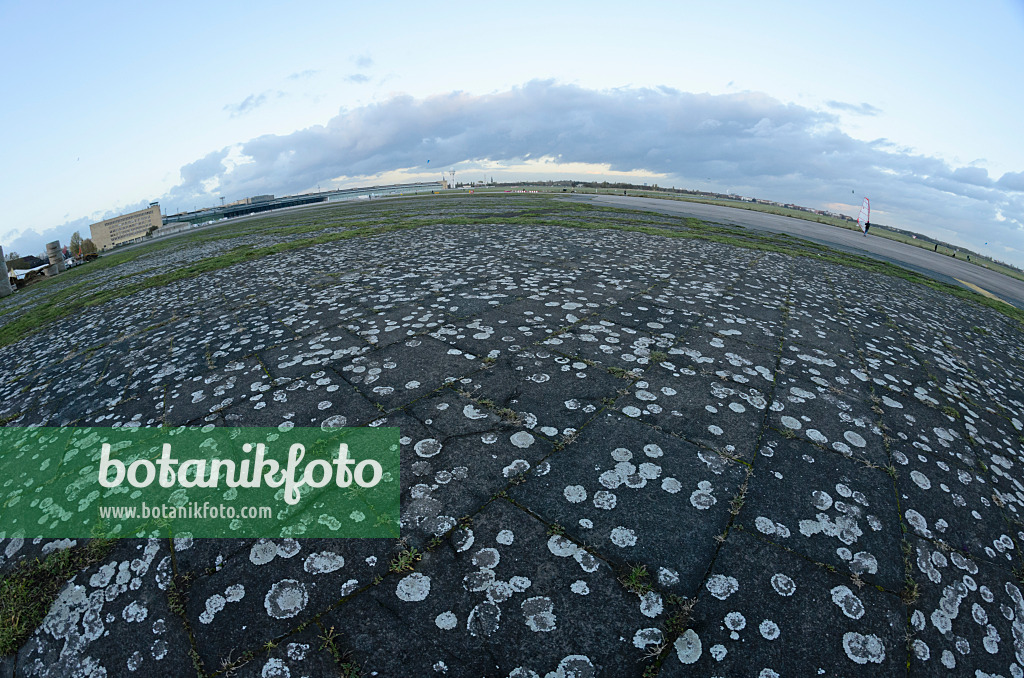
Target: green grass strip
{"type": "Point", "coordinates": [28, 591]}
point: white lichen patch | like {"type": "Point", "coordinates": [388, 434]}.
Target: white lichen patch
{"type": "Point", "coordinates": [413, 588]}
{"type": "Point", "coordinates": [539, 613]}
{"type": "Point", "coordinates": [702, 498]}
{"type": "Point", "coordinates": [862, 649]}
{"type": "Point", "coordinates": [286, 599]}
{"type": "Point", "coordinates": [849, 603]}
{"type": "Point", "coordinates": [623, 537]}
{"type": "Point", "coordinates": [783, 585]}
{"type": "Point", "coordinates": [446, 621]}
{"type": "Point", "coordinates": [323, 562]}
{"type": "Point", "coordinates": [651, 604]}
{"type": "Point", "coordinates": [688, 647]}
{"type": "Point", "coordinates": [721, 586]}
{"type": "Point", "coordinates": [769, 630]}
{"type": "Point", "coordinates": [522, 439]}
{"type": "Point", "coordinates": [427, 448]}
{"type": "Point", "coordinates": [484, 620]}
{"type": "Point", "coordinates": [575, 494]}
{"type": "Point", "coordinates": [649, 636]}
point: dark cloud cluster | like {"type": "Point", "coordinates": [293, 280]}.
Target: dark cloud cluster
{"type": "Point", "coordinates": [747, 142]}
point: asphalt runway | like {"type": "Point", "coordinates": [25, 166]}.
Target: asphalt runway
{"type": "Point", "coordinates": [942, 267]}
{"type": "Point", "coordinates": [621, 455]}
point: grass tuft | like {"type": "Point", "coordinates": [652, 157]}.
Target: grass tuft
{"type": "Point", "coordinates": [28, 591]}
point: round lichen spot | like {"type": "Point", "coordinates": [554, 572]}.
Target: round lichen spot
{"type": "Point", "coordinates": [446, 621]}
{"type": "Point", "coordinates": [286, 599]}
{"type": "Point", "coordinates": [623, 537]}
{"type": "Point", "coordinates": [413, 588]}
{"type": "Point", "coordinates": [721, 586]}
{"type": "Point", "coordinates": [427, 448]}
{"type": "Point", "coordinates": [855, 439]}
{"type": "Point", "coordinates": [522, 439]}
{"type": "Point", "coordinates": [791, 423]}
{"type": "Point", "coordinates": [575, 494]}
{"type": "Point", "coordinates": [769, 629]}
{"type": "Point", "coordinates": [688, 647]}
{"type": "Point", "coordinates": [862, 649]}
{"type": "Point", "coordinates": [783, 585]}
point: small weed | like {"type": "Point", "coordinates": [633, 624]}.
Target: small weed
{"type": "Point", "coordinates": [405, 561]}
{"type": "Point", "coordinates": [787, 433]}
{"type": "Point", "coordinates": [27, 592]}
{"type": "Point", "coordinates": [329, 642]}
{"type": "Point", "coordinates": [737, 502]}
{"type": "Point", "coordinates": [637, 579]}
{"type": "Point", "coordinates": [679, 620]}
{"type": "Point", "coordinates": [9, 418]}
{"type": "Point", "coordinates": [269, 645]}
{"type": "Point", "coordinates": [979, 330]}
{"type": "Point", "coordinates": [346, 667]}
{"type": "Point", "coordinates": [509, 415]}
{"type": "Point", "coordinates": [658, 357]}
{"type": "Point", "coordinates": [950, 412]}
{"type": "Point", "coordinates": [488, 361]}
{"type": "Point", "coordinates": [555, 530]}
{"type": "Point", "coordinates": [197, 662]}
{"type": "Point", "coordinates": [891, 470]}
{"type": "Point", "coordinates": [608, 402]}
{"type": "Point", "coordinates": [910, 592]}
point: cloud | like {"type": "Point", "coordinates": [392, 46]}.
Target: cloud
{"type": "Point", "coordinates": [861, 109]}
{"type": "Point", "coordinates": [301, 75]}
{"type": "Point", "coordinates": [748, 142]}
{"type": "Point", "coordinates": [253, 101]}
{"type": "Point", "coordinates": [1012, 181]}
{"type": "Point", "coordinates": [364, 61]}
{"type": "Point", "coordinates": [358, 78]}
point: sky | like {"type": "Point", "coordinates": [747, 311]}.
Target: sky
{"type": "Point", "coordinates": [106, 106]}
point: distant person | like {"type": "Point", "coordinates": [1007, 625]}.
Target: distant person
{"type": "Point", "coordinates": [867, 227]}
{"type": "Point", "coordinates": [936, 247]}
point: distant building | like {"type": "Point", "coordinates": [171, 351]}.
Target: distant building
{"type": "Point", "coordinates": [126, 228]}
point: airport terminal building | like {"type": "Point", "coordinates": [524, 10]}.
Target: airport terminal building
{"type": "Point", "coordinates": [126, 228]}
